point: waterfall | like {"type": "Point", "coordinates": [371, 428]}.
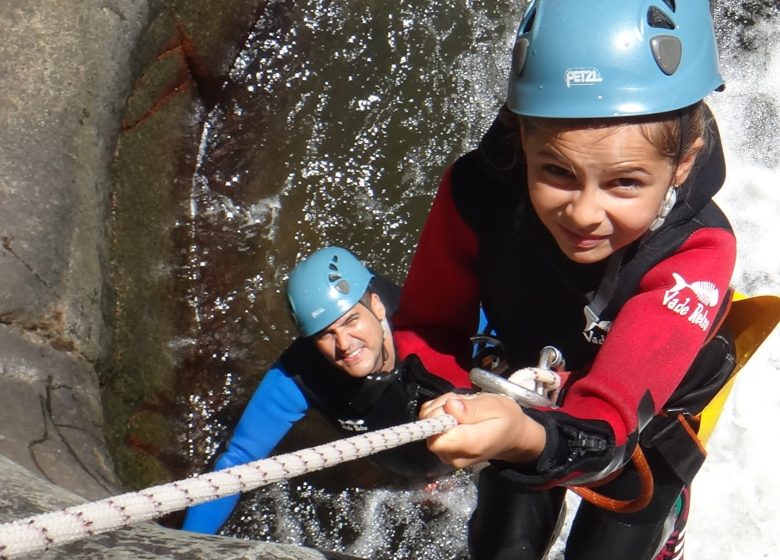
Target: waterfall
{"type": "Point", "coordinates": [731, 510]}
{"type": "Point", "coordinates": [335, 124]}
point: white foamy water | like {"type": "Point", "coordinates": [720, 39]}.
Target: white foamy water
{"type": "Point", "coordinates": [734, 511]}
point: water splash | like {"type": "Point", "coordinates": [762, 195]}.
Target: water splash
{"type": "Point", "coordinates": [327, 132]}
{"type": "Point", "coordinates": [417, 522]}
{"type": "Point", "coordinates": [735, 492]}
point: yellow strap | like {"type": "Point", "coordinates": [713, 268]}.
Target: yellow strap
{"type": "Point", "coordinates": [751, 320]}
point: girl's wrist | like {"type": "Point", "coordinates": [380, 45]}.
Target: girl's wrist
{"type": "Point", "coordinates": [529, 443]}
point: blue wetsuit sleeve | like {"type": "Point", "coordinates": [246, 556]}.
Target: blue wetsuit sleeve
{"type": "Point", "coordinates": [275, 406]}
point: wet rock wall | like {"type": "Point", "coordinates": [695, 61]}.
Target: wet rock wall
{"type": "Point", "coordinates": [100, 102]}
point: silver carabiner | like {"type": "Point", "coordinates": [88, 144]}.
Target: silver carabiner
{"type": "Point", "coordinates": [550, 360]}
{"type": "Point", "coordinates": [493, 383]}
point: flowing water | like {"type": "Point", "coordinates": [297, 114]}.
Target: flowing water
{"type": "Point", "coordinates": [336, 122]}
{"type": "Point", "coordinates": [733, 513]}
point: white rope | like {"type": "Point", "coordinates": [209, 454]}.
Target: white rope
{"type": "Point", "coordinates": [41, 532]}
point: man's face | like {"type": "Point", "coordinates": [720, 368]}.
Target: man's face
{"type": "Point", "coordinates": [356, 341]}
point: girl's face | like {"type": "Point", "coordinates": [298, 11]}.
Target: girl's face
{"type": "Point", "coordinates": [597, 190]}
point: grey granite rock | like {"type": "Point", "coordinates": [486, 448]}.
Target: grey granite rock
{"type": "Point", "coordinates": [66, 71]}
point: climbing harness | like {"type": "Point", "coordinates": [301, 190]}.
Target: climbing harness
{"type": "Point", "coordinates": [749, 319]}
{"type": "Point", "coordinates": [540, 387]}
{"type": "Point", "coordinates": [646, 488]}
{"type": "Point", "coordinates": [41, 532]}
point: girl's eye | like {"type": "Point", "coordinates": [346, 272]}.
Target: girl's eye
{"type": "Point", "coordinates": [626, 183]}
{"type": "Point", "coordinates": [556, 170]}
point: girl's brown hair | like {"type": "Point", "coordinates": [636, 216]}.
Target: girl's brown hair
{"type": "Point", "coordinates": [673, 133]}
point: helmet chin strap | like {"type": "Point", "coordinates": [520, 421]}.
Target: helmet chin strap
{"type": "Point", "coordinates": [385, 334]}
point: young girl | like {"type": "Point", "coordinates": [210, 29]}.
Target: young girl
{"type": "Point", "coordinates": [585, 221]}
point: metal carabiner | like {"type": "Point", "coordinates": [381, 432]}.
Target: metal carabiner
{"type": "Point", "coordinates": [550, 359]}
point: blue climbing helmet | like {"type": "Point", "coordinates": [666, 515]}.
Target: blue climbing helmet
{"type": "Point", "coordinates": [324, 286]}
{"type": "Point", "coordinates": [608, 58]}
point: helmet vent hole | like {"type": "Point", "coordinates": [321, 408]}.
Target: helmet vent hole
{"type": "Point", "coordinates": [333, 267]}
{"type": "Point", "coordinates": [672, 5]}
{"type": "Point", "coordinates": [656, 18]}
{"type": "Point", "coordinates": [529, 23]}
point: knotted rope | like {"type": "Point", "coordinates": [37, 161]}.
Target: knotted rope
{"type": "Point", "coordinates": [41, 532]}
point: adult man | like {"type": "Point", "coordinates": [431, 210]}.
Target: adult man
{"type": "Point", "coordinates": [344, 364]}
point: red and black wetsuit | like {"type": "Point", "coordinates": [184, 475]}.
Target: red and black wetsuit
{"type": "Point", "coordinates": [663, 300]}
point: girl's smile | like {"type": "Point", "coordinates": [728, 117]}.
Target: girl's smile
{"type": "Point", "coordinates": [583, 241]}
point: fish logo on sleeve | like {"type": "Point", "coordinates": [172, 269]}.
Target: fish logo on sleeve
{"type": "Point", "coordinates": [693, 300]}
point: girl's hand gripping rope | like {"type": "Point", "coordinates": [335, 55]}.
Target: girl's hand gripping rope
{"type": "Point", "coordinates": [491, 426]}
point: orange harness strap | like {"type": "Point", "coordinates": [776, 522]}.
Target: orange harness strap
{"type": "Point", "coordinates": [622, 506]}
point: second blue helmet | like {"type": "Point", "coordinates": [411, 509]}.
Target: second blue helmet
{"type": "Point", "coordinates": [324, 286]}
